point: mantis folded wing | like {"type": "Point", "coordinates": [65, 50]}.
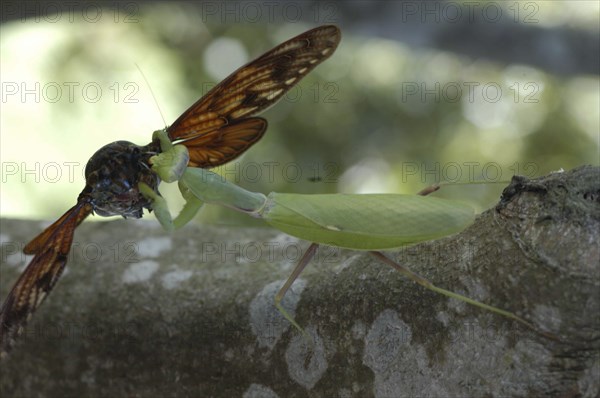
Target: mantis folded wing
{"type": "Point", "coordinates": [369, 222]}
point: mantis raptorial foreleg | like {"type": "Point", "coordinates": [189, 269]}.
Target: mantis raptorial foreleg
{"type": "Point", "coordinates": [171, 162]}
{"type": "Point", "coordinates": [161, 209]}
{"type": "Point", "coordinates": [170, 165]}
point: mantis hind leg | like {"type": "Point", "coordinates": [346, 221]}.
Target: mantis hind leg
{"type": "Point", "coordinates": [308, 255]}
{"type": "Point", "coordinates": [428, 285]}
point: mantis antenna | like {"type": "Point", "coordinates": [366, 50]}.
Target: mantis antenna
{"type": "Point", "coordinates": [151, 92]}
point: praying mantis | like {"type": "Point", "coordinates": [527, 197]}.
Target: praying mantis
{"type": "Point", "coordinates": [123, 178]}
{"type": "Point", "coordinates": [370, 222]}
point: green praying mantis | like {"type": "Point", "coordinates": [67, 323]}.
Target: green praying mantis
{"type": "Point", "coordinates": [123, 178]}
{"type": "Point", "coordinates": [368, 222]}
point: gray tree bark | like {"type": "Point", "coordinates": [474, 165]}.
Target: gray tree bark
{"type": "Point", "coordinates": [143, 313]}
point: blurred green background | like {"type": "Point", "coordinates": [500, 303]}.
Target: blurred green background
{"type": "Point", "coordinates": [416, 93]}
